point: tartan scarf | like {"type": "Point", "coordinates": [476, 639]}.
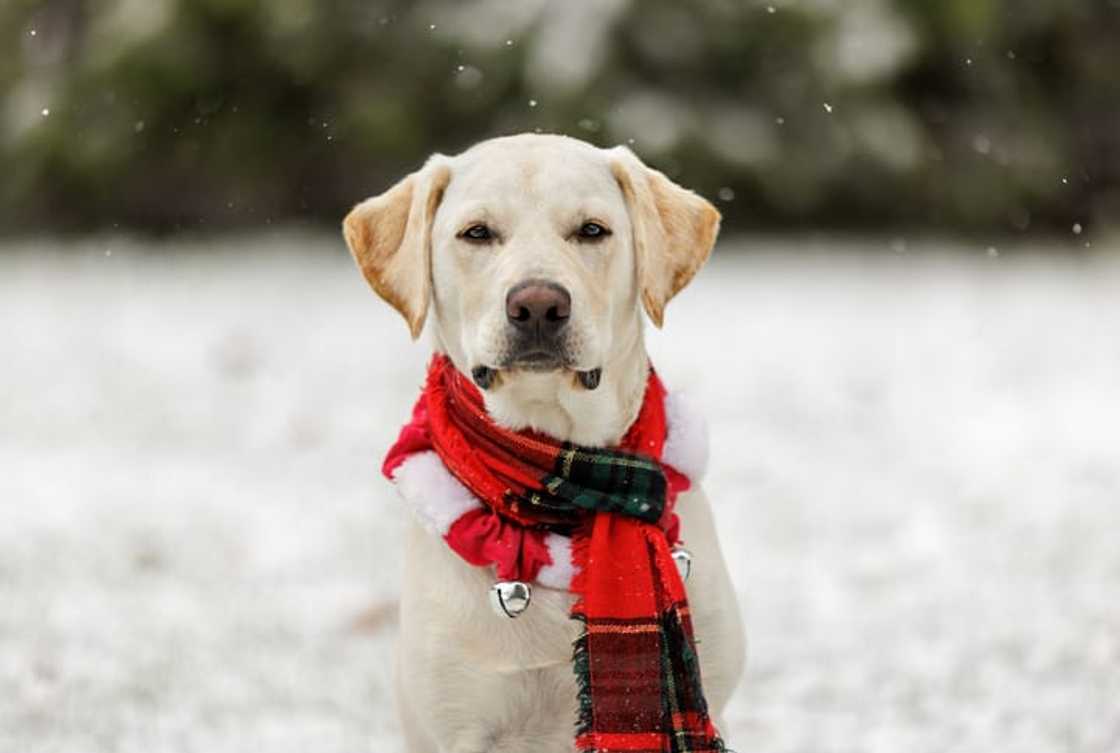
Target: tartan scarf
{"type": "Point", "coordinates": [635, 661]}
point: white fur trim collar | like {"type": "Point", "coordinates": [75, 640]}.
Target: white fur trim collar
{"type": "Point", "coordinates": [686, 446]}
{"type": "Point", "coordinates": [436, 496]}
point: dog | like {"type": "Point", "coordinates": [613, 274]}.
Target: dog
{"type": "Point", "coordinates": [577, 241]}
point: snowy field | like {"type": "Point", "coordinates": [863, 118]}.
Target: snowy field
{"type": "Point", "coordinates": [916, 465]}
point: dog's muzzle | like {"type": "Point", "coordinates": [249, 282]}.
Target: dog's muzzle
{"type": "Point", "coordinates": [538, 312]}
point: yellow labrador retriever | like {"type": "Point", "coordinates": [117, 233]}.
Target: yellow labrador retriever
{"type": "Point", "coordinates": [576, 240]}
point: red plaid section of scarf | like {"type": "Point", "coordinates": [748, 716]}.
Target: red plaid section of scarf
{"type": "Point", "coordinates": [636, 662]}
{"type": "Point", "coordinates": [639, 676]}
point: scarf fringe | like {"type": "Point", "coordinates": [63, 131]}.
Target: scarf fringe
{"type": "Point", "coordinates": [581, 657]}
{"type": "Point", "coordinates": [581, 665]}
{"type": "Point", "coordinates": [677, 645]}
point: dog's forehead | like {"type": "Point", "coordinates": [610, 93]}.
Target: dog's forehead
{"type": "Point", "coordinates": [534, 166]}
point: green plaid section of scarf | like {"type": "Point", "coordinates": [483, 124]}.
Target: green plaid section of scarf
{"type": "Point", "coordinates": [601, 480]}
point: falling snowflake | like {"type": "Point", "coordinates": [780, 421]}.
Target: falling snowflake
{"type": "Point", "coordinates": [828, 108]}
{"type": "Point", "coordinates": [1077, 228]}
{"type": "Point", "coordinates": [468, 77]}
{"type": "Point", "coordinates": [46, 111]}
{"type": "Point", "coordinates": [532, 103]}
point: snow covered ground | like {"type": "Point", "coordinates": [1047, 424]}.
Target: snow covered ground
{"type": "Point", "coordinates": [916, 465]}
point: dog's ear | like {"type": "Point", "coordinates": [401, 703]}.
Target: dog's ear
{"type": "Point", "coordinates": [674, 230]}
{"type": "Point", "coordinates": [390, 236]}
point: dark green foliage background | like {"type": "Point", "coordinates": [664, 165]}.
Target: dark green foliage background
{"type": "Point", "coordinates": [233, 113]}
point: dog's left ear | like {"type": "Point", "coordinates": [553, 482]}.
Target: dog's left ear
{"type": "Point", "coordinates": [674, 230]}
{"type": "Point", "coordinates": [390, 236]}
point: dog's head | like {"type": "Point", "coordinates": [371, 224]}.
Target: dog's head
{"type": "Point", "coordinates": [533, 253]}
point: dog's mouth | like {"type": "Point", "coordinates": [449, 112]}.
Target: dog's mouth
{"type": "Point", "coordinates": [537, 360]}
{"type": "Point", "coordinates": [538, 355]}
{"type": "Point", "coordinates": [487, 377]}
{"type": "Point", "coordinates": [536, 352]}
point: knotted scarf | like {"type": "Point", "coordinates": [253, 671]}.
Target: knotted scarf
{"type": "Point", "coordinates": [635, 661]}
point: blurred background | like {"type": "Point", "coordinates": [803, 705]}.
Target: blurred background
{"type": "Point", "coordinates": [912, 389]}
{"type": "Point", "coordinates": [966, 116]}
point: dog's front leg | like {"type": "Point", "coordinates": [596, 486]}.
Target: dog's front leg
{"type": "Point", "coordinates": [416, 738]}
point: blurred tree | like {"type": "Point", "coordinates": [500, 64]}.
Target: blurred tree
{"type": "Point", "coordinates": [982, 115]}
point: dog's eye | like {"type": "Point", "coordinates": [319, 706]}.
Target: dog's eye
{"type": "Point", "coordinates": [477, 234]}
{"type": "Point", "coordinates": [593, 231]}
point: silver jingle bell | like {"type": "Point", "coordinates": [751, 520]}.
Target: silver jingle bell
{"type": "Point", "coordinates": [510, 598]}
{"type": "Point", "coordinates": [683, 558]}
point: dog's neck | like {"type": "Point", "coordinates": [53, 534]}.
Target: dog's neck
{"type": "Point", "coordinates": [554, 403]}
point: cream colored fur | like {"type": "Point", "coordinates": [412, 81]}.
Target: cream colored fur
{"type": "Point", "coordinates": [467, 680]}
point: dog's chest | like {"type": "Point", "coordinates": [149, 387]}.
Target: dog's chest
{"type": "Point", "coordinates": [452, 599]}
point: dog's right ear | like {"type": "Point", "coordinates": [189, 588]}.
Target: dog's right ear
{"type": "Point", "coordinates": [390, 236]}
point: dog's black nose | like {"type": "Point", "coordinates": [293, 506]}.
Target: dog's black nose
{"type": "Point", "coordinates": [538, 306]}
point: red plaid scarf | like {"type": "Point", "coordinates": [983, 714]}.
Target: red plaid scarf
{"type": "Point", "coordinates": [636, 662]}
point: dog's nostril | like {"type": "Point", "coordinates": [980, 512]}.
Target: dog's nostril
{"type": "Point", "coordinates": [538, 305]}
